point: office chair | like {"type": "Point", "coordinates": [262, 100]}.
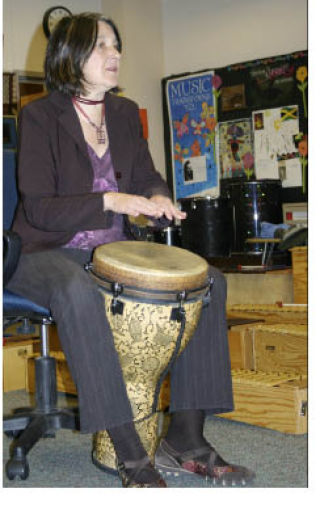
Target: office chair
{"type": "Point", "coordinates": [27, 425]}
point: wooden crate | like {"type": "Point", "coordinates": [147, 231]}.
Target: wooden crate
{"type": "Point", "coordinates": [54, 341]}
{"type": "Point", "coordinates": [280, 348]}
{"type": "Point", "coordinates": [299, 256]}
{"type": "Point", "coordinates": [270, 313]}
{"type": "Point", "coordinates": [240, 338]}
{"type": "Point", "coordinates": [65, 382]}
{"type": "Point", "coordinates": [164, 395]}
{"type": "Point", "coordinates": [15, 352]}
{"type": "Point", "coordinates": [266, 288]}
{"type": "Point", "coordinates": [271, 400]}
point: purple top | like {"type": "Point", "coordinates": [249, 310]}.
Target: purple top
{"type": "Point", "coordinates": [104, 180]}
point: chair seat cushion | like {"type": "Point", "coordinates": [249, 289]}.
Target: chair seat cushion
{"type": "Point", "coordinates": [16, 305]}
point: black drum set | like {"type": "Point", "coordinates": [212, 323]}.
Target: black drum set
{"type": "Point", "coordinates": [223, 227]}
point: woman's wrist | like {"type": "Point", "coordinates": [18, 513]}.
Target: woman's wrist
{"type": "Point", "coordinates": [108, 201]}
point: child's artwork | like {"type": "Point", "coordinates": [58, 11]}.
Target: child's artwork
{"type": "Point", "coordinates": [276, 155]}
{"type": "Point", "coordinates": [193, 119]}
{"type": "Point", "coordinates": [236, 149]}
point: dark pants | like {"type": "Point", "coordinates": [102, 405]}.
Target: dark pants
{"type": "Point", "coordinates": [200, 378]}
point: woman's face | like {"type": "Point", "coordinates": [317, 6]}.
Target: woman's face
{"type": "Point", "coordinates": [101, 70]}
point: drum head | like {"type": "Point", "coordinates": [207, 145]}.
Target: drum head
{"type": "Point", "coordinates": [150, 265]}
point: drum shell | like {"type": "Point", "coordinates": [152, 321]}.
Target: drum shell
{"type": "Point", "coordinates": [253, 202]}
{"type": "Point", "coordinates": [208, 228]}
{"type": "Point", "coordinates": [144, 338]}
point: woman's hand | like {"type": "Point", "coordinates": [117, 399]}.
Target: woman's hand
{"type": "Point", "coordinates": [133, 205]}
{"type": "Point", "coordinates": [169, 210]}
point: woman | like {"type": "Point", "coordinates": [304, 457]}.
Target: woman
{"type": "Point", "coordinates": [83, 166]}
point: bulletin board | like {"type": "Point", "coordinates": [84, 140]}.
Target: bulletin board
{"type": "Point", "coordinates": [258, 116]}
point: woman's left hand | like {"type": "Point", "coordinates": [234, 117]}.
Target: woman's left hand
{"type": "Point", "coordinates": [169, 210]}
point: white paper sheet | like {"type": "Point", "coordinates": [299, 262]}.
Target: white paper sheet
{"type": "Point", "coordinates": [275, 153]}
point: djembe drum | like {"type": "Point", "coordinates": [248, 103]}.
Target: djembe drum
{"type": "Point", "coordinates": [153, 296]}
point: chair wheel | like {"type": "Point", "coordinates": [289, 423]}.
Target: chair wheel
{"type": "Point", "coordinates": [13, 434]}
{"type": "Point", "coordinates": [17, 467]}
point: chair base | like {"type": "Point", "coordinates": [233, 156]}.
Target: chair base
{"type": "Point", "coordinates": [26, 426]}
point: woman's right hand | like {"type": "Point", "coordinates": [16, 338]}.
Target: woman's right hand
{"type": "Point", "coordinates": [133, 205]}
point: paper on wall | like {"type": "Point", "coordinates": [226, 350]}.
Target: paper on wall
{"type": "Point", "coordinates": [276, 156]}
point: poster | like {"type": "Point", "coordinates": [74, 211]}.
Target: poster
{"type": "Point", "coordinates": [271, 84]}
{"type": "Point", "coordinates": [192, 113]}
{"type": "Point", "coordinates": [236, 149]}
{"type": "Point", "coordinates": [233, 98]}
{"type": "Point", "coordinates": [276, 156]}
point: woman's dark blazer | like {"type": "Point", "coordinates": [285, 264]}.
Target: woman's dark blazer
{"type": "Point", "coordinates": [55, 175]}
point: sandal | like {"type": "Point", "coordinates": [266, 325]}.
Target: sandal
{"type": "Point", "coordinates": [129, 472]}
{"type": "Point", "coordinates": [204, 461]}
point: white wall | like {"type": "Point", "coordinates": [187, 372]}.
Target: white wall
{"type": "Point", "coordinates": [163, 37]}
{"type": "Point", "coordinates": [202, 34]}
{"type": "Point", "coordinates": [24, 42]}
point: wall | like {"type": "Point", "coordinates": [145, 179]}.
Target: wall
{"type": "Point", "coordinates": [163, 37]}
{"type": "Point", "coordinates": [142, 65]}
{"type": "Point", "coordinates": [212, 33]}
{"type": "Point", "coordinates": [24, 42]}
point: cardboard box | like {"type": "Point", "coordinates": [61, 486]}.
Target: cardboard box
{"type": "Point", "coordinates": [271, 400]}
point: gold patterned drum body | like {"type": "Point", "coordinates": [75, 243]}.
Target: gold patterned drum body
{"type": "Point", "coordinates": [153, 297]}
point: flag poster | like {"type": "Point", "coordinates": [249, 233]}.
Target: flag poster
{"type": "Point", "coordinates": [192, 113]}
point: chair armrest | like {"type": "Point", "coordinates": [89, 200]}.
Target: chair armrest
{"type": "Point", "coordinates": [11, 254]}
